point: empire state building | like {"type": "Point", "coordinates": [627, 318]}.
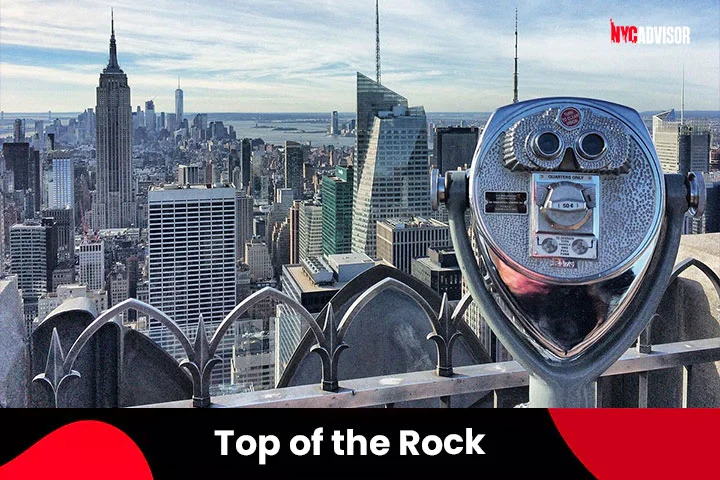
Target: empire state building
{"type": "Point", "coordinates": [114, 203]}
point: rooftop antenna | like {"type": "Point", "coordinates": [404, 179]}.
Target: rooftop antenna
{"type": "Point", "coordinates": [178, 82]}
{"type": "Point", "coordinates": [682, 98]}
{"type": "Point", "coordinates": [377, 41]}
{"type": "Point", "coordinates": [515, 75]}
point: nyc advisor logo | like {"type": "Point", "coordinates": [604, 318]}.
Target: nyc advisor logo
{"type": "Point", "coordinates": [649, 35]}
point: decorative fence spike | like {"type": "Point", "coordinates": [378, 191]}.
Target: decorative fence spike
{"type": "Point", "coordinates": [200, 365]}
{"type": "Point", "coordinates": [329, 351]}
{"type": "Point", "coordinates": [444, 335]}
{"type": "Point", "coordinates": [55, 374]}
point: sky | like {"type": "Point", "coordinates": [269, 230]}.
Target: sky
{"type": "Point", "coordinates": [302, 55]}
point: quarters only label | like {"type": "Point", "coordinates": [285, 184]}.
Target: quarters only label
{"type": "Point", "coordinates": [514, 203]}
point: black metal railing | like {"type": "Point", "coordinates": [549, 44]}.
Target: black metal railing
{"type": "Point", "coordinates": [442, 383]}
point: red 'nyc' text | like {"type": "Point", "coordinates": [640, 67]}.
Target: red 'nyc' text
{"type": "Point", "coordinates": [649, 35]}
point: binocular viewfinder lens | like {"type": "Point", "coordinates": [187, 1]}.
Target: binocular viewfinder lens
{"type": "Point", "coordinates": [547, 145]}
{"type": "Point", "coordinates": [592, 145]}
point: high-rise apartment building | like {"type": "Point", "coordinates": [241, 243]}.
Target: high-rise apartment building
{"type": "Point", "coordinates": [310, 230]}
{"type": "Point", "coordinates": [115, 206]}
{"type": "Point", "coordinates": [393, 167]}
{"type": "Point", "coordinates": [400, 240]}
{"type": "Point", "coordinates": [337, 198]}
{"type": "Point", "coordinates": [294, 159]}
{"type": "Point", "coordinates": [192, 262]}
{"type": "Point", "coordinates": [92, 263]}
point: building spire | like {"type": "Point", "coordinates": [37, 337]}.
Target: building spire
{"type": "Point", "coordinates": [178, 82]}
{"type": "Point", "coordinates": [682, 98]}
{"type": "Point", "coordinates": [515, 75]}
{"type": "Point", "coordinates": [377, 41]}
{"type": "Point", "coordinates": [113, 65]}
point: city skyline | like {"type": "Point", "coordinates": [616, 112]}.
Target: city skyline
{"type": "Point", "coordinates": [565, 50]}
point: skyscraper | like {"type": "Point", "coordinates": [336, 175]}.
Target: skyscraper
{"type": "Point", "coordinates": [454, 147]}
{"type": "Point", "coordinates": [681, 146]}
{"type": "Point", "coordinates": [33, 256]}
{"type": "Point", "coordinates": [371, 99]}
{"type": "Point", "coordinates": [334, 127]}
{"type": "Point", "coordinates": [92, 263]}
{"type": "Point", "coordinates": [192, 262]}
{"type": "Point", "coordinates": [115, 205]}
{"type": "Point", "coordinates": [65, 226]}
{"type": "Point", "coordinates": [337, 200]}
{"type": "Point", "coordinates": [244, 205]}
{"type": "Point", "coordinates": [178, 106]}
{"type": "Point", "coordinates": [294, 224]}
{"type": "Point", "coordinates": [310, 230]}
{"type": "Point", "coordinates": [393, 165]}
{"type": "Point", "coordinates": [63, 190]}
{"type": "Point", "coordinates": [24, 163]}
{"type": "Point", "coordinates": [245, 157]}
{"type": "Point", "coordinates": [294, 160]}
{"type": "Point", "coordinates": [150, 123]}
{"type": "Point", "coordinates": [18, 130]}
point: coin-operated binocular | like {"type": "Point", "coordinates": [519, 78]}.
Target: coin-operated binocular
{"type": "Point", "coordinates": [576, 229]}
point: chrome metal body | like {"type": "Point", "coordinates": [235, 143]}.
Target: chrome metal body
{"type": "Point", "coordinates": [570, 263]}
{"type": "Point", "coordinates": [567, 318]}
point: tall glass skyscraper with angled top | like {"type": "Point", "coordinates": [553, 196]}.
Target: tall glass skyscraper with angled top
{"type": "Point", "coordinates": [115, 204]}
{"type": "Point", "coordinates": [392, 167]}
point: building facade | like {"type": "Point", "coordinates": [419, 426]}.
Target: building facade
{"type": "Point", "coordinates": [681, 148]}
{"type": "Point", "coordinates": [92, 263]}
{"type": "Point", "coordinates": [192, 262]}
{"type": "Point", "coordinates": [258, 259]}
{"type": "Point", "coordinates": [33, 257]}
{"type": "Point", "coordinates": [310, 230]}
{"type": "Point", "coordinates": [337, 198]}
{"type": "Point", "coordinates": [63, 188]}
{"type": "Point", "coordinates": [244, 207]}
{"type": "Point", "coordinates": [65, 226]}
{"type": "Point", "coordinates": [294, 160]}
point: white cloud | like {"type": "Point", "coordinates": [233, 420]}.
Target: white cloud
{"type": "Point", "coordinates": [285, 55]}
